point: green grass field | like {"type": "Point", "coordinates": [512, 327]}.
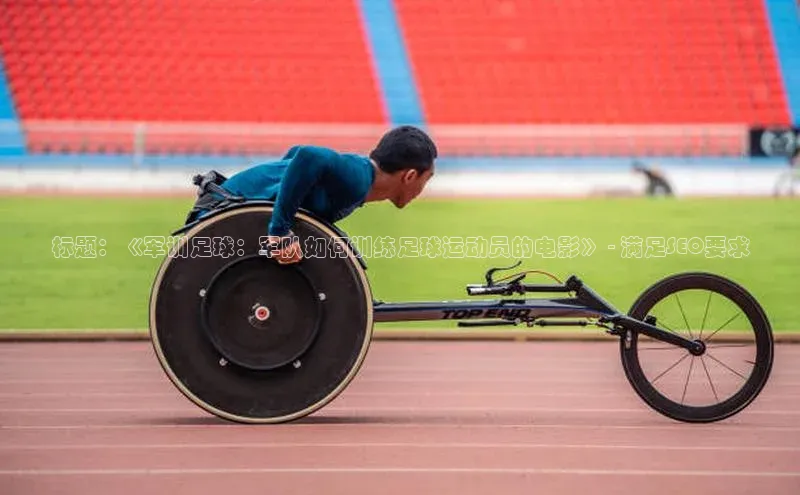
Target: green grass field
{"type": "Point", "coordinates": [38, 290]}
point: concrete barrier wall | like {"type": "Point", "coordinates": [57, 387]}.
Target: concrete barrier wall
{"type": "Point", "coordinates": [454, 178]}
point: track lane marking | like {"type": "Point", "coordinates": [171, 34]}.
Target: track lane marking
{"type": "Point", "coordinates": [390, 470]}
{"type": "Point", "coordinates": [415, 445]}
{"type": "Point", "coordinates": [383, 409]}
{"type": "Point", "coordinates": [204, 423]}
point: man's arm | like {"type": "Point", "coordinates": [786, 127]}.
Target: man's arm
{"type": "Point", "coordinates": [307, 166]}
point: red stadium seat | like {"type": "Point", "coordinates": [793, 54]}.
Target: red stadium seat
{"type": "Point", "coordinates": [593, 61]}
{"type": "Point", "coordinates": [476, 62]}
{"type": "Point", "coordinates": [185, 60]}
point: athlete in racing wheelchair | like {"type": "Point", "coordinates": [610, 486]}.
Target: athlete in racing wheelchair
{"type": "Point", "coordinates": [326, 183]}
{"type": "Point", "coordinates": [259, 333]}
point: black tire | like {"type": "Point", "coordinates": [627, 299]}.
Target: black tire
{"type": "Point", "coordinates": [324, 301]}
{"type": "Point", "coordinates": [763, 348]}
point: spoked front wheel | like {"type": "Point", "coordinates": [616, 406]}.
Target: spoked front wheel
{"type": "Point", "coordinates": [738, 356]}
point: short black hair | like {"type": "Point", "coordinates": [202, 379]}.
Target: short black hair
{"type": "Point", "coordinates": [405, 147]}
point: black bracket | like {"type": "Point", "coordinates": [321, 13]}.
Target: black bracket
{"type": "Point", "coordinates": [490, 272]}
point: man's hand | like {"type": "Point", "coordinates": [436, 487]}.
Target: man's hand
{"type": "Point", "coordinates": [287, 255]}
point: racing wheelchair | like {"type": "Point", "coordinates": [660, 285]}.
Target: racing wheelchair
{"type": "Point", "coordinates": [253, 341]}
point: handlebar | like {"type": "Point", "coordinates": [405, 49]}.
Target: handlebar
{"type": "Point", "coordinates": [510, 289]}
{"type": "Point", "coordinates": [483, 290]}
{"type": "Point", "coordinates": [513, 284]}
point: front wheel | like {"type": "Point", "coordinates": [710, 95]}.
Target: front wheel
{"type": "Point", "coordinates": [720, 382]}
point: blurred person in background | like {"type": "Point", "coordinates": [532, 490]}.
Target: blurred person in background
{"type": "Point", "coordinates": [657, 184]}
{"type": "Point", "coordinates": [328, 183]}
{"type": "Point", "coordinates": [787, 179]}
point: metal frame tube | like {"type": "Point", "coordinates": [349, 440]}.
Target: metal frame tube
{"type": "Point", "coordinates": [628, 323]}
{"type": "Point", "coordinates": [508, 309]}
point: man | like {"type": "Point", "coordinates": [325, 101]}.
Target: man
{"type": "Point", "coordinates": [332, 185]}
{"type": "Point", "coordinates": [786, 180]}
{"type": "Point", "coordinates": [657, 184]}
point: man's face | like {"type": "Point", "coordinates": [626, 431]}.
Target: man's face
{"type": "Point", "coordinates": [410, 184]}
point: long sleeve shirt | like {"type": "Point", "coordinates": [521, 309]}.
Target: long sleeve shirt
{"type": "Point", "coordinates": [327, 183]}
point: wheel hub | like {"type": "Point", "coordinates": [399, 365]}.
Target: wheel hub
{"type": "Point", "coordinates": [260, 315]}
{"type": "Point", "coordinates": [244, 329]}
{"type": "Point", "coordinates": [698, 348]}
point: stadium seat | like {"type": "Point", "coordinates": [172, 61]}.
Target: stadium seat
{"type": "Point", "coordinates": [189, 61]}
{"type": "Point", "coordinates": [104, 66]}
{"type": "Point", "coordinates": [594, 62]}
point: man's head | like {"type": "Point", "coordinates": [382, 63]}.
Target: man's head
{"type": "Point", "coordinates": [406, 154]}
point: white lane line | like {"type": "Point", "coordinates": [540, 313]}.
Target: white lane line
{"type": "Point", "coordinates": [94, 381]}
{"type": "Point", "coordinates": [430, 365]}
{"type": "Point", "coordinates": [23, 395]}
{"type": "Point", "coordinates": [43, 372]}
{"type": "Point", "coordinates": [477, 370]}
{"type": "Point", "coordinates": [84, 362]}
{"type": "Point", "coordinates": [394, 470]}
{"type": "Point", "coordinates": [422, 394]}
{"type": "Point", "coordinates": [385, 409]}
{"type": "Point", "coordinates": [594, 393]}
{"type": "Point", "coordinates": [206, 422]}
{"type": "Point", "coordinates": [439, 445]}
{"type": "Point", "coordinates": [428, 381]}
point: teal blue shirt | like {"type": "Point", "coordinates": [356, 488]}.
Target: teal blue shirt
{"type": "Point", "coordinates": [327, 183]}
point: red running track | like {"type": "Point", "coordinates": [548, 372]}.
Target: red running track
{"type": "Point", "coordinates": [421, 417]}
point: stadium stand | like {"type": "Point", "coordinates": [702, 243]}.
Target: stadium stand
{"type": "Point", "coordinates": [497, 78]}
{"type": "Point", "coordinates": [186, 61]}
{"type": "Point", "coordinates": [594, 62]}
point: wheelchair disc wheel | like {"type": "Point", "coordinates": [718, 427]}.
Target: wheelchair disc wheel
{"type": "Point", "coordinates": [253, 341]}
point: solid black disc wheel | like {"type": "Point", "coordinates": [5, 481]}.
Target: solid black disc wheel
{"type": "Point", "coordinates": [731, 372]}
{"type": "Point", "coordinates": [259, 314]}
{"type": "Point", "coordinates": [253, 341]}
